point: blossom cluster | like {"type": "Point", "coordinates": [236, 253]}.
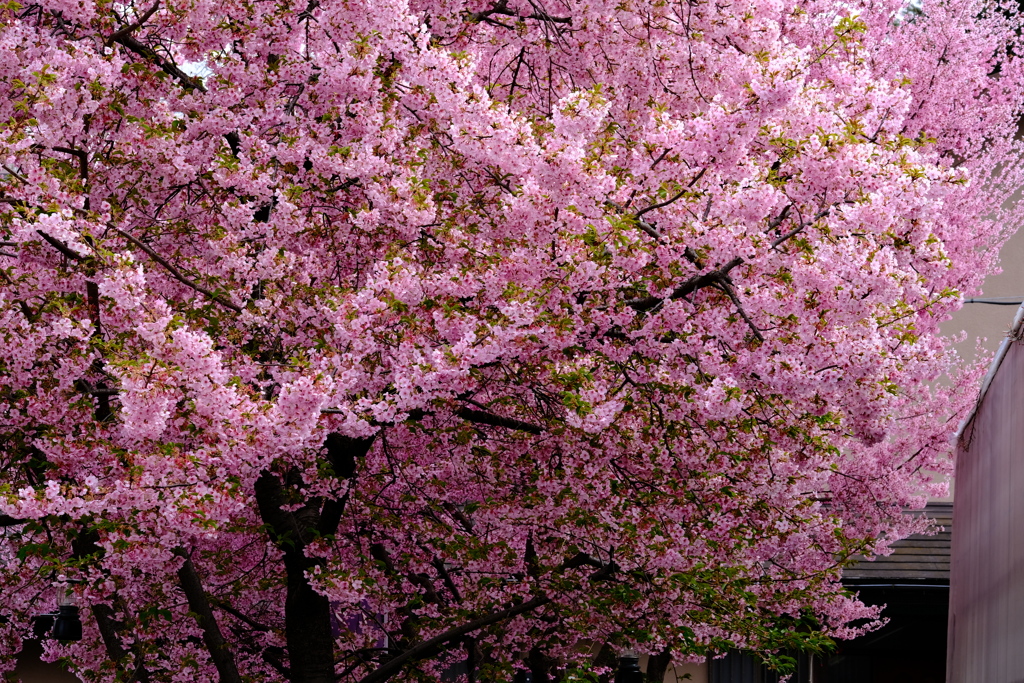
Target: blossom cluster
{"type": "Point", "coordinates": [505, 327]}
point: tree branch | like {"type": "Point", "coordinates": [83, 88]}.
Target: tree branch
{"type": "Point", "coordinates": [649, 229]}
{"type": "Point", "coordinates": [675, 198]}
{"type": "Point", "coordinates": [692, 285]}
{"type": "Point", "coordinates": [15, 174]}
{"type": "Point", "coordinates": [342, 454]}
{"type": "Point", "coordinates": [150, 55]}
{"type": "Point", "coordinates": [349, 182]}
{"type": "Point", "coordinates": [85, 545]}
{"type": "Point", "coordinates": [61, 247]}
{"type": "Point", "coordinates": [425, 648]}
{"type": "Point", "coordinates": [131, 28]}
{"type": "Point", "coordinates": [270, 499]}
{"type": "Point", "coordinates": [777, 221]}
{"type": "Point", "coordinates": [470, 415]}
{"type": "Point", "coordinates": [108, 627]}
{"type": "Point", "coordinates": [483, 417]}
{"type": "Point", "coordinates": [248, 621]}
{"type": "Point", "coordinates": [730, 291]}
{"type": "Point", "coordinates": [198, 604]}
{"type": "Point", "coordinates": [798, 229]}
{"type": "Point", "coordinates": [175, 273]}
{"type": "Point", "coordinates": [501, 8]}
{"type": "Point", "coordinates": [428, 647]}
{"type": "Point", "coordinates": [720, 276]}
{"type": "Point", "coordinates": [307, 613]}
{"type": "Point", "coordinates": [272, 656]}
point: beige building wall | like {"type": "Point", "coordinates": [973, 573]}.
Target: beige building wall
{"type": "Point", "coordinates": [985, 320]}
{"type": "Point", "coordinates": [989, 323]}
{"type": "Point", "coordinates": [986, 623]}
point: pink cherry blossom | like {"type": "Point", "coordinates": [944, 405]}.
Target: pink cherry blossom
{"type": "Point", "coordinates": [350, 341]}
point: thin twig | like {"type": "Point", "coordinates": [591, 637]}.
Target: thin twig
{"type": "Point", "coordinates": [718, 276]}
{"type": "Point", "coordinates": [175, 273]}
{"type": "Point", "coordinates": [426, 647]}
{"type": "Point", "coordinates": [674, 199]}
{"type": "Point", "coordinates": [249, 621]}
{"type": "Point", "coordinates": [15, 174]}
{"type": "Point", "coordinates": [797, 230]}
{"type": "Point", "coordinates": [131, 28]}
{"type": "Point", "coordinates": [775, 222]}
{"type": "Point", "coordinates": [730, 291]}
{"type": "Point", "coordinates": [662, 156]}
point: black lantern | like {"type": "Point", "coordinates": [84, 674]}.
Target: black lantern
{"type": "Point", "coordinates": [629, 669]}
{"type": "Point", "coordinates": [64, 624]}
{"type": "Point", "coordinates": [67, 625]}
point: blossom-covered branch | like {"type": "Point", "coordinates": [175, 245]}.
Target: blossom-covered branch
{"type": "Point", "coordinates": [408, 320]}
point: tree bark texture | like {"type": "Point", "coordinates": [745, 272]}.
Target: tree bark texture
{"type": "Point", "coordinates": [307, 614]}
{"type": "Point", "coordinates": [199, 604]}
{"type": "Point", "coordinates": [657, 666]}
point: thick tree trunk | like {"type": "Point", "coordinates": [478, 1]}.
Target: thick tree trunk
{"type": "Point", "coordinates": [307, 622]}
{"type": "Point", "coordinates": [106, 620]}
{"type": "Point", "coordinates": [657, 666]}
{"type": "Point", "coordinates": [605, 657]}
{"type": "Point", "coordinates": [307, 614]}
{"type": "Point", "coordinates": [199, 604]}
{"type": "Point", "coordinates": [131, 670]}
{"type": "Point", "coordinates": [541, 666]}
{"type": "Point", "coordinates": [472, 660]}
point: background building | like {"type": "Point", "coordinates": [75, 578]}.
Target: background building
{"type": "Point", "coordinates": [986, 622]}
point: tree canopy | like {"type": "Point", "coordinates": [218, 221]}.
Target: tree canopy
{"type": "Point", "coordinates": [351, 341]}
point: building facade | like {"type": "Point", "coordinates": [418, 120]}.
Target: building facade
{"type": "Point", "coordinates": [986, 617]}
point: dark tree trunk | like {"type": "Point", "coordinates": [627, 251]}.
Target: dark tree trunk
{"type": "Point", "coordinates": [472, 659]}
{"type": "Point", "coordinates": [307, 623]}
{"type": "Point", "coordinates": [199, 604]}
{"type": "Point", "coordinates": [541, 666]}
{"type": "Point", "coordinates": [86, 544]}
{"type": "Point", "coordinates": [657, 666]}
{"type": "Point", "coordinates": [307, 614]}
{"type": "Point", "coordinates": [606, 658]}
{"type": "Point", "coordinates": [106, 620]}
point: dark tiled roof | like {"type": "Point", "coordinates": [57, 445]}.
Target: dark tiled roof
{"type": "Point", "coordinates": [917, 559]}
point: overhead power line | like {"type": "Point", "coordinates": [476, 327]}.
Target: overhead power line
{"type": "Point", "coordinates": [998, 301]}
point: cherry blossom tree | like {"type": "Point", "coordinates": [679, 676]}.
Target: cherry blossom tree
{"type": "Point", "coordinates": [361, 341]}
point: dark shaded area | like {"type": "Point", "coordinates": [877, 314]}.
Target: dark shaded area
{"type": "Point", "coordinates": [911, 648]}
{"type": "Point", "coordinates": [744, 667]}
{"type": "Point", "coordinates": [913, 585]}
